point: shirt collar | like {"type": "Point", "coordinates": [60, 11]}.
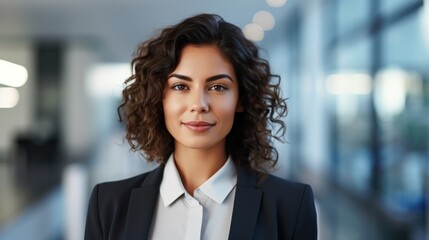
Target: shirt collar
{"type": "Point", "coordinates": [171, 185]}
{"type": "Point", "coordinates": [217, 187]}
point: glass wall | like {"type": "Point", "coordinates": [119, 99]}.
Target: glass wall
{"type": "Point", "coordinates": [401, 101]}
{"type": "Point", "coordinates": [376, 94]}
{"type": "Point", "coordinates": [382, 131]}
{"type": "Point", "coordinates": [388, 53]}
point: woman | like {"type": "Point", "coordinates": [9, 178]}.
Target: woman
{"type": "Point", "coordinates": [200, 103]}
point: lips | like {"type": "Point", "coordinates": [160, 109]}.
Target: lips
{"type": "Point", "coordinates": [198, 126]}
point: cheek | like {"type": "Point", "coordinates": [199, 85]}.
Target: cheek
{"type": "Point", "coordinates": [173, 108]}
{"type": "Point", "coordinates": [228, 107]}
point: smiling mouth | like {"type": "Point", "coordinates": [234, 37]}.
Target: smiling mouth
{"type": "Point", "coordinates": [198, 126]}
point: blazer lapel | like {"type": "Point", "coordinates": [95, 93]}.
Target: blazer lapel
{"type": "Point", "coordinates": [246, 206]}
{"type": "Point", "coordinates": [141, 206]}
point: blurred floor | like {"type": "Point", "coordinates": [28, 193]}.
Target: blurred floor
{"type": "Point", "coordinates": [29, 197]}
{"type": "Point", "coordinates": [11, 199]}
{"type": "Point", "coordinates": [43, 219]}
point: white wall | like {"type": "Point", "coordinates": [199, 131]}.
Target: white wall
{"type": "Point", "coordinates": [77, 111]}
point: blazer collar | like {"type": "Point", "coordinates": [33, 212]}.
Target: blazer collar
{"type": "Point", "coordinates": [244, 216]}
{"type": "Point", "coordinates": [141, 206]}
{"type": "Point", "coordinates": [246, 205]}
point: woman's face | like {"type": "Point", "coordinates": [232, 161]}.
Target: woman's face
{"type": "Point", "coordinates": [201, 98]}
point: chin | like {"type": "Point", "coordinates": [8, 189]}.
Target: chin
{"type": "Point", "coordinates": [198, 144]}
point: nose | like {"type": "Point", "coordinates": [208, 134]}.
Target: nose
{"type": "Point", "coordinates": [199, 102]}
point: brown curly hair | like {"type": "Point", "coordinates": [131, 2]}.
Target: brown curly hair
{"type": "Point", "coordinates": [250, 141]}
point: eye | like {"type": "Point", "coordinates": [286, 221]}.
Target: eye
{"type": "Point", "coordinates": [218, 88]}
{"type": "Point", "coordinates": [179, 87]}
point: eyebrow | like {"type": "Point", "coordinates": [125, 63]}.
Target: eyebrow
{"type": "Point", "coordinates": [212, 78]}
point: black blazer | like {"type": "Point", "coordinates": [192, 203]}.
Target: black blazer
{"type": "Point", "coordinates": [275, 209]}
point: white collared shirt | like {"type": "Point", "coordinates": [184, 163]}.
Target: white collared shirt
{"type": "Point", "coordinates": [206, 215]}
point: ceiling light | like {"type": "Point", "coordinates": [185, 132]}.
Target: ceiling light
{"type": "Point", "coordinates": [276, 3]}
{"type": "Point", "coordinates": [391, 90]}
{"type": "Point", "coordinates": [264, 19]}
{"type": "Point", "coordinates": [349, 83]}
{"type": "Point", "coordinates": [12, 74]}
{"type": "Point", "coordinates": [9, 97]}
{"type": "Point", "coordinates": [253, 32]}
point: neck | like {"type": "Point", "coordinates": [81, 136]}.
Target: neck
{"type": "Point", "coordinates": [196, 166]}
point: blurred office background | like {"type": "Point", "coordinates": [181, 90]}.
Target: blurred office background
{"type": "Point", "coordinates": [356, 74]}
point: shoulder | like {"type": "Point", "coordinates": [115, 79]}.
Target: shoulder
{"type": "Point", "coordinates": [109, 204]}
{"type": "Point", "coordinates": [123, 188]}
{"type": "Point", "coordinates": [275, 189]}
{"type": "Point", "coordinates": [286, 207]}
{"type": "Point", "coordinates": [293, 204]}
{"type": "Point", "coordinates": [279, 189]}
{"type": "Point", "coordinates": [272, 186]}
{"type": "Point", "coordinates": [281, 185]}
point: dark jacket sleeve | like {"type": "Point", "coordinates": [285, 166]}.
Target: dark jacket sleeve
{"type": "Point", "coordinates": [93, 229]}
{"type": "Point", "coordinates": [306, 223]}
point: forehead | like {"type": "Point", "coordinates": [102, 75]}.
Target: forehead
{"type": "Point", "coordinates": [203, 59]}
